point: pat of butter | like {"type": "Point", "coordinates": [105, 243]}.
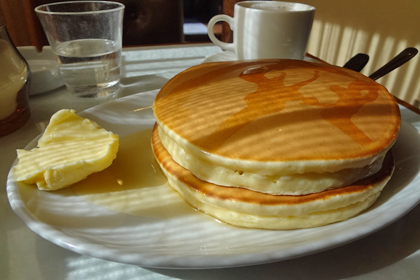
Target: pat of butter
{"type": "Point", "coordinates": [70, 149]}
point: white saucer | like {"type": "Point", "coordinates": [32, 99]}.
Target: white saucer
{"type": "Point", "coordinates": [231, 56]}
{"type": "Point", "coordinates": [223, 56]}
{"type": "Point", "coordinates": [44, 69]}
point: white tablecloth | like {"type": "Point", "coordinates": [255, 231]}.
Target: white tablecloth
{"type": "Point", "coordinates": [391, 253]}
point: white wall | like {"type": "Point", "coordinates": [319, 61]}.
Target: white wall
{"type": "Point", "coordinates": [380, 28]}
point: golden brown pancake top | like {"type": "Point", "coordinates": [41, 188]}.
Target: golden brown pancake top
{"type": "Point", "coordinates": [279, 110]}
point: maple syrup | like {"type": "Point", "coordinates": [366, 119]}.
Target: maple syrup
{"type": "Point", "coordinates": [134, 184]}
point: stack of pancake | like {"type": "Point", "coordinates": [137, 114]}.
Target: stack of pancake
{"type": "Point", "coordinates": [275, 144]}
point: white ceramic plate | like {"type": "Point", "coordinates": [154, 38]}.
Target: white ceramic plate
{"type": "Point", "coordinates": [167, 233]}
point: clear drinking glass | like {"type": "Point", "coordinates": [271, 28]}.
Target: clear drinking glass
{"type": "Point", "coordinates": [86, 36]}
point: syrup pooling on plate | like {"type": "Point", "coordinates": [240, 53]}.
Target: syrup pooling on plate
{"type": "Point", "coordinates": [133, 183]}
{"type": "Point", "coordinates": [263, 103]}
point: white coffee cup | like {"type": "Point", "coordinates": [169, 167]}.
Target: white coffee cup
{"type": "Point", "coordinates": [267, 29]}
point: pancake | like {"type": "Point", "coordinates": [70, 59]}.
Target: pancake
{"type": "Point", "coordinates": [281, 127]}
{"type": "Point", "coordinates": [291, 184]}
{"type": "Point", "coordinates": [247, 208]}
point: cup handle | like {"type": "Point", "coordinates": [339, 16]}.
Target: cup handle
{"type": "Point", "coordinates": [217, 42]}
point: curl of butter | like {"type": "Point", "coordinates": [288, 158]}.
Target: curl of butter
{"type": "Point", "coordinates": [70, 149]}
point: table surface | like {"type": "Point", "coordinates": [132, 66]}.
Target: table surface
{"type": "Point", "coordinates": [390, 253]}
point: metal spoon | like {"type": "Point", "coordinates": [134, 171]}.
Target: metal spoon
{"type": "Point", "coordinates": [394, 63]}
{"type": "Point", "coordinates": [357, 62]}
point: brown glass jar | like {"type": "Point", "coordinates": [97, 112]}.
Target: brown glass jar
{"type": "Point", "coordinates": [14, 84]}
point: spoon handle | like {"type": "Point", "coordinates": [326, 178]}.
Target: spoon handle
{"type": "Point", "coordinates": [396, 62]}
